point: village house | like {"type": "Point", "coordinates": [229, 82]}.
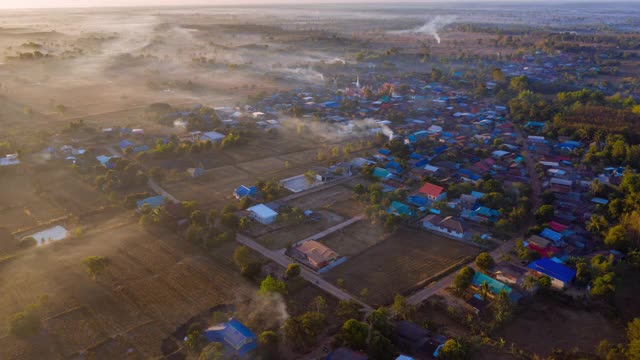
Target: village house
{"type": "Point", "coordinates": [262, 214]}
{"type": "Point", "coordinates": [245, 191]}
{"type": "Point", "coordinates": [237, 339]}
{"type": "Point", "coordinates": [448, 225]}
{"type": "Point", "coordinates": [316, 254]}
{"type": "Point", "coordinates": [433, 192]}
{"type": "Point", "coordinates": [560, 275]}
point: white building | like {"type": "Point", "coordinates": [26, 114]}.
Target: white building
{"type": "Point", "coordinates": [262, 214]}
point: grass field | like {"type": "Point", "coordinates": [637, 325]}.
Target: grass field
{"type": "Point", "coordinates": [155, 283]}
{"type": "Point", "coordinates": [398, 263]}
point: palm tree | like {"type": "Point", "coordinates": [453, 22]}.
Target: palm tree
{"type": "Point", "coordinates": [529, 283]}
{"type": "Point", "coordinates": [596, 187]}
{"type": "Point", "coordinates": [596, 224]}
{"type": "Point", "coordinates": [485, 289]}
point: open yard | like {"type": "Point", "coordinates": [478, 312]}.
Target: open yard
{"type": "Point", "coordinates": [355, 238]}
{"type": "Point", "coordinates": [288, 235]}
{"type": "Point", "coordinates": [155, 282]}
{"type": "Point", "coordinates": [339, 199]}
{"type": "Point", "coordinates": [396, 264]}
{"type": "Point", "coordinates": [546, 324]}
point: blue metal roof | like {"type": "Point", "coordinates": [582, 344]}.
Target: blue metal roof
{"type": "Point", "coordinates": [417, 200]}
{"type": "Point", "coordinates": [380, 172]}
{"type": "Point", "coordinates": [551, 235]}
{"type": "Point", "coordinates": [243, 191]}
{"type": "Point", "coordinates": [495, 286]}
{"type": "Point", "coordinates": [557, 271]}
{"type": "Point", "coordinates": [233, 334]}
{"type": "Point", "coordinates": [125, 144]}
{"type": "Point", "coordinates": [153, 201]}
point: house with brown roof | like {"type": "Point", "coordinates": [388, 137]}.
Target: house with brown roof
{"type": "Point", "coordinates": [316, 254]}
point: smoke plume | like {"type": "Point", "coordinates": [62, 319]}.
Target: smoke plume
{"type": "Point", "coordinates": [431, 27]}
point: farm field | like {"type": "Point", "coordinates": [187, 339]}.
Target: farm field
{"type": "Point", "coordinates": [289, 235]}
{"type": "Point", "coordinates": [355, 238]}
{"type": "Point", "coordinates": [155, 282]}
{"type": "Point", "coordinates": [28, 201]}
{"type": "Point", "coordinates": [398, 263]}
{"type": "Point", "coordinates": [546, 324]}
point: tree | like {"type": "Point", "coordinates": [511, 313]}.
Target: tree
{"type": "Point", "coordinates": [497, 75]}
{"type": "Point", "coordinates": [485, 290]}
{"type": "Point", "coordinates": [379, 320]}
{"type": "Point", "coordinates": [198, 218]}
{"type": "Point", "coordinates": [268, 345]}
{"type": "Point", "coordinates": [319, 304]}
{"type": "Point", "coordinates": [241, 256]}
{"type": "Point", "coordinates": [354, 334]}
{"type": "Point", "coordinates": [348, 309]}
{"type": "Point", "coordinates": [295, 333]}
{"type": "Point", "coordinates": [271, 285]}
{"type": "Point", "coordinates": [501, 307]}
{"type": "Point", "coordinates": [310, 177]}
{"type": "Point", "coordinates": [96, 265]}
{"type": "Point", "coordinates": [231, 221]}
{"type": "Point", "coordinates": [26, 322]}
{"type": "Point", "coordinates": [463, 279]}
{"type": "Point", "coordinates": [484, 261]}
{"type": "Point", "coordinates": [401, 308]}
{"type": "Point", "coordinates": [380, 347]}
{"type": "Point", "coordinates": [313, 323]}
{"type": "Point", "coordinates": [603, 286]}
{"type": "Point", "coordinates": [453, 350]}
{"type": "Point", "coordinates": [616, 237]}
{"type": "Point", "coordinates": [213, 351]}
{"type": "Point", "coordinates": [195, 339]}
{"type": "Point", "coordinates": [597, 224]}
{"type": "Point", "coordinates": [529, 283]}
{"type": "Point", "coordinates": [583, 272]}
{"type": "Point", "coordinates": [544, 282]}
{"type": "Point", "coordinates": [544, 214]}
{"type": "Point", "coordinates": [293, 270]}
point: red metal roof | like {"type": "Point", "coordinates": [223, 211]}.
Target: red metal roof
{"type": "Point", "coordinates": [431, 190]}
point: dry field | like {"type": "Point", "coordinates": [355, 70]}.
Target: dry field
{"type": "Point", "coordinates": [396, 264]}
{"type": "Point", "coordinates": [546, 324]}
{"type": "Point", "coordinates": [37, 197]}
{"type": "Point", "coordinates": [155, 283]}
{"type": "Point", "coordinates": [291, 234]}
{"type": "Point", "coordinates": [339, 199]}
{"type": "Point", "coordinates": [355, 238]}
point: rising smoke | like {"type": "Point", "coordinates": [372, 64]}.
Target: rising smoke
{"type": "Point", "coordinates": [431, 27]}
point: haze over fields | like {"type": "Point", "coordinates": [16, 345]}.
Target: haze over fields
{"type": "Point", "coordinates": [200, 180]}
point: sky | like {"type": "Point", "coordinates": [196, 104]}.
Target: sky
{"type": "Point", "coordinates": [22, 4]}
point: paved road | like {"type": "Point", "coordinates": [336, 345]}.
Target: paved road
{"type": "Point", "coordinates": [333, 229]}
{"type": "Point", "coordinates": [497, 253]}
{"type": "Point", "coordinates": [310, 276]}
